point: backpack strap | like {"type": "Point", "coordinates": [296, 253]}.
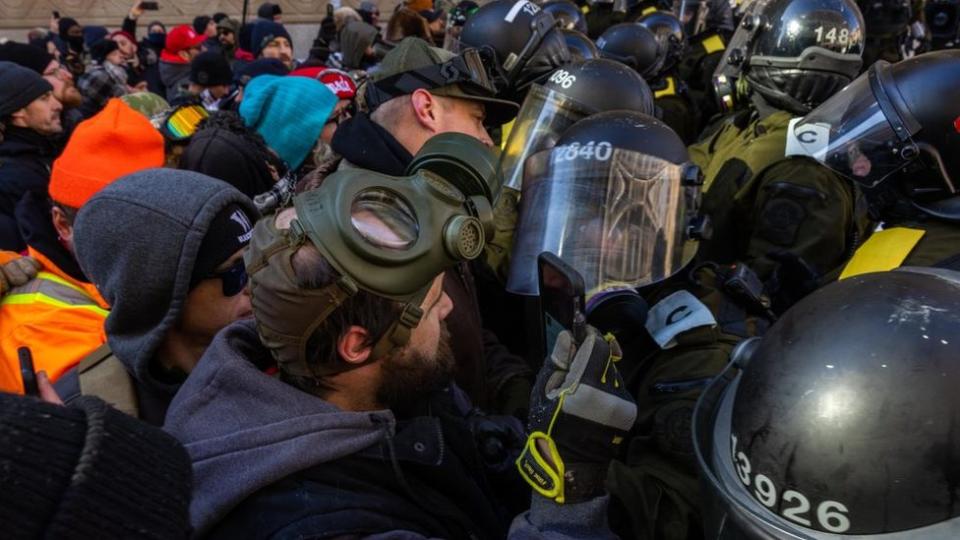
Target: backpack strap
{"type": "Point", "coordinates": [102, 374]}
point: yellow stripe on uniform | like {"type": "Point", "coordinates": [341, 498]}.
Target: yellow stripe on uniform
{"type": "Point", "coordinates": [648, 10]}
{"type": "Point", "coordinates": [883, 251]}
{"type": "Point", "coordinates": [40, 298]}
{"type": "Point", "coordinates": [713, 44]}
{"type": "Point", "coordinates": [670, 90]}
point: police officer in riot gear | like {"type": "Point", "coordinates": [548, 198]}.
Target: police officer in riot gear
{"type": "Point", "coordinates": [654, 46]}
{"type": "Point", "coordinates": [841, 419]}
{"type": "Point", "coordinates": [894, 132]}
{"type": "Point", "coordinates": [580, 46]}
{"type": "Point", "coordinates": [567, 14]}
{"type": "Point", "coordinates": [525, 42]}
{"type": "Point", "coordinates": [708, 26]}
{"type": "Point", "coordinates": [791, 219]}
{"type": "Point", "coordinates": [570, 94]}
{"type": "Point", "coordinates": [617, 199]}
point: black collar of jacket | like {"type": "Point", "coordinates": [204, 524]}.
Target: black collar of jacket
{"type": "Point", "coordinates": [24, 141]}
{"type": "Point", "coordinates": [366, 144]}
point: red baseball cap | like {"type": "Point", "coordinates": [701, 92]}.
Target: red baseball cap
{"type": "Point", "coordinates": [339, 82]}
{"type": "Point", "coordinates": [181, 38]}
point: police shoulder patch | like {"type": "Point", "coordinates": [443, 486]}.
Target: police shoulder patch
{"type": "Point", "coordinates": [675, 314]}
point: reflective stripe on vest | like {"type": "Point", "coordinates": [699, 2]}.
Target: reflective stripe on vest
{"type": "Point", "coordinates": [55, 291]}
{"type": "Point", "coordinates": [883, 251]}
{"type": "Point", "coordinates": [670, 90]}
{"type": "Point", "coordinates": [649, 10]}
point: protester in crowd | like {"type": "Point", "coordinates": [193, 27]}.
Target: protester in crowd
{"type": "Point", "coordinates": [164, 249]}
{"type": "Point", "coordinates": [270, 12]}
{"type": "Point", "coordinates": [71, 45]}
{"type": "Point", "coordinates": [369, 12]}
{"type": "Point", "coordinates": [204, 24]}
{"type": "Point", "coordinates": [227, 34]}
{"type": "Point", "coordinates": [406, 23]}
{"type": "Point", "coordinates": [182, 46]}
{"type": "Point", "coordinates": [341, 84]}
{"type": "Point", "coordinates": [271, 40]}
{"type": "Point", "coordinates": [436, 24]}
{"type": "Point", "coordinates": [89, 471]}
{"type": "Point", "coordinates": [210, 79]}
{"type": "Point", "coordinates": [226, 149]}
{"type": "Point", "coordinates": [59, 315]}
{"type": "Point", "coordinates": [150, 49]}
{"type": "Point", "coordinates": [273, 106]}
{"type": "Point", "coordinates": [131, 57]}
{"type": "Point", "coordinates": [400, 122]}
{"type": "Point", "coordinates": [356, 47]}
{"type": "Point", "coordinates": [55, 73]}
{"type": "Point", "coordinates": [29, 122]}
{"type": "Point", "coordinates": [106, 78]}
{"type": "Point", "coordinates": [93, 34]}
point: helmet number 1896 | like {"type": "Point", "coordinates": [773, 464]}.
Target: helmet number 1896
{"type": "Point", "coordinates": [831, 516]}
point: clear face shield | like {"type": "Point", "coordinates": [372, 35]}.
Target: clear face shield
{"type": "Point", "coordinates": [618, 217]}
{"type": "Point", "coordinates": [692, 15]}
{"type": "Point", "coordinates": [545, 115]}
{"type": "Point", "coordinates": [862, 135]}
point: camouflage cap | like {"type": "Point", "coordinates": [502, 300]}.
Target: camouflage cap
{"type": "Point", "coordinates": [413, 54]}
{"type": "Point", "coordinates": [146, 103]}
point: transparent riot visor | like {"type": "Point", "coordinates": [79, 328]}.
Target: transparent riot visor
{"type": "Point", "coordinates": [730, 511]}
{"type": "Point", "coordinates": [692, 15]}
{"type": "Point", "coordinates": [544, 116]}
{"type": "Point", "coordinates": [852, 134]}
{"type": "Point", "coordinates": [616, 216]}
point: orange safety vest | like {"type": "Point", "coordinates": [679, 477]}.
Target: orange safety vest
{"type": "Point", "coordinates": [59, 318]}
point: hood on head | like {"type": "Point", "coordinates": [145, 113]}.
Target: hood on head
{"type": "Point", "coordinates": [355, 37]}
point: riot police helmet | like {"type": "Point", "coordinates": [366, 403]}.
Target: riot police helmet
{"type": "Point", "coordinates": [668, 30]}
{"type": "Point", "coordinates": [840, 422]}
{"type": "Point", "coordinates": [567, 14]}
{"type": "Point", "coordinates": [634, 45]}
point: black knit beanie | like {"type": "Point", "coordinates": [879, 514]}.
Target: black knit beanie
{"type": "Point", "coordinates": [228, 232]}
{"type": "Point", "coordinates": [210, 69]}
{"type": "Point", "coordinates": [101, 48]}
{"type": "Point", "coordinates": [19, 86]}
{"type": "Point", "coordinates": [89, 471]}
{"type": "Point", "coordinates": [28, 56]}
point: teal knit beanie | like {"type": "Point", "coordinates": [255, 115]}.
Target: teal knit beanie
{"type": "Point", "coordinates": [288, 112]}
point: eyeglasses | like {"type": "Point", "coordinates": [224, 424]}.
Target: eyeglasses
{"type": "Point", "coordinates": [182, 122]}
{"type": "Point", "coordinates": [233, 279]}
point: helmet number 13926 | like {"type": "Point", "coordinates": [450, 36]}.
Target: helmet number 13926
{"type": "Point", "coordinates": [831, 516]}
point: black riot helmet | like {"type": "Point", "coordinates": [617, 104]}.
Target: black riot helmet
{"type": "Point", "coordinates": [580, 46]}
{"type": "Point", "coordinates": [698, 16]}
{"type": "Point", "coordinates": [569, 95]}
{"type": "Point", "coordinates": [668, 30]}
{"type": "Point", "coordinates": [634, 45]}
{"type": "Point", "coordinates": [567, 13]}
{"type": "Point", "coordinates": [614, 198]}
{"type": "Point", "coordinates": [842, 419]}
{"type": "Point", "coordinates": [886, 17]}
{"type": "Point", "coordinates": [793, 53]}
{"type": "Point", "coordinates": [524, 40]}
{"type": "Point", "coordinates": [943, 18]}
{"type": "Point", "coordinates": [896, 132]}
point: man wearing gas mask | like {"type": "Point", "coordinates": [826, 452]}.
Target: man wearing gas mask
{"type": "Point", "coordinates": [418, 92]}
{"type": "Point", "coordinates": [617, 199]}
{"type": "Point", "coordinates": [790, 219]}
{"type": "Point", "coordinates": [363, 423]}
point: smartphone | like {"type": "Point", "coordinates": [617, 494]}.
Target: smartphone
{"type": "Point", "coordinates": [149, 6]}
{"type": "Point", "coordinates": [27, 372]}
{"type": "Point", "coordinates": [561, 300]}
{"type": "Point", "coordinates": [56, 14]}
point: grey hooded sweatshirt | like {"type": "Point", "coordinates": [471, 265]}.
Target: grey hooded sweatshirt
{"type": "Point", "coordinates": [246, 430]}
{"type": "Point", "coordinates": [137, 240]}
{"type": "Point", "coordinates": [355, 37]}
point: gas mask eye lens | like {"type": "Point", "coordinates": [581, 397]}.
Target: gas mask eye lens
{"type": "Point", "coordinates": [384, 219]}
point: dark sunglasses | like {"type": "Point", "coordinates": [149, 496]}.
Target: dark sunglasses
{"type": "Point", "coordinates": [233, 279]}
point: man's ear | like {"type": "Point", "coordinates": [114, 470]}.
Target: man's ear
{"type": "Point", "coordinates": [62, 225]}
{"type": "Point", "coordinates": [19, 118]}
{"type": "Point", "coordinates": [426, 109]}
{"type": "Point", "coordinates": [352, 345]}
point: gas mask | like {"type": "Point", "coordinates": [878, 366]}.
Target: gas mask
{"type": "Point", "coordinates": [390, 236]}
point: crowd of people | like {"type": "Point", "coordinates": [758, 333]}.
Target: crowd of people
{"type": "Point", "coordinates": [248, 291]}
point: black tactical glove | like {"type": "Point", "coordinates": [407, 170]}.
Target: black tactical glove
{"type": "Point", "coordinates": [579, 413]}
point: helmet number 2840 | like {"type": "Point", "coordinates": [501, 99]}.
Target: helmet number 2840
{"type": "Point", "coordinates": [795, 506]}
{"type": "Point", "coordinates": [832, 35]}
